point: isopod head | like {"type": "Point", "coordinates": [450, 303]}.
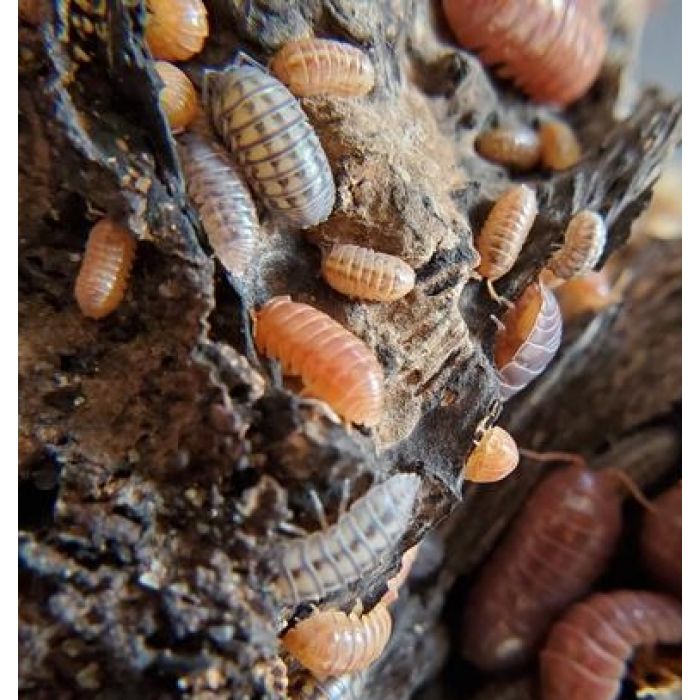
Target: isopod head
{"type": "Point", "coordinates": [494, 458]}
{"type": "Point", "coordinates": [178, 98]}
{"type": "Point", "coordinates": [517, 148]}
{"type": "Point", "coordinates": [560, 147]}
{"type": "Point", "coordinates": [176, 29]}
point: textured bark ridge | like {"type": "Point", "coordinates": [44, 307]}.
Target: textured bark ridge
{"type": "Point", "coordinates": [162, 463]}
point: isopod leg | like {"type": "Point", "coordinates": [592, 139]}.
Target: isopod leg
{"type": "Point", "coordinates": [497, 297]}
{"type": "Point", "coordinates": [319, 510]}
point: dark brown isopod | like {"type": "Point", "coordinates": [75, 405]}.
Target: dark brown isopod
{"type": "Point", "coordinates": [516, 148]}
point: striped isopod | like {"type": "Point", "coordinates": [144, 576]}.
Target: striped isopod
{"type": "Point", "coordinates": [516, 148]}
{"type": "Point", "coordinates": [588, 293]}
{"type": "Point", "coordinates": [270, 136]}
{"type": "Point", "coordinates": [557, 546]}
{"type": "Point", "coordinates": [504, 232]}
{"type": "Point", "coordinates": [176, 29]}
{"type": "Point", "coordinates": [104, 272]}
{"type": "Point", "coordinates": [303, 686]}
{"type": "Point", "coordinates": [528, 339]}
{"type": "Point", "coordinates": [222, 199]}
{"type": "Point", "coordinates": [560, 147]}
{"type": "Point", "coordinates": [584, 241]}
{"type": "Point", "coordinates": [366, 274]}
{"type": "Point", "coordinates": [329, 560]}
{"type": "Point", "coordinates": [394, 584]}
{"type": "Point", "coordinates": [494, 457]}
{"type": "Point", "coordinates": [587, 649]}
{"type": "Point", "coordinates": [661, 540]}
{"type": "Point", "coordinates": [178, 98]}
{"type": "Point", "coordinates": [331, 643]}
{"type": "Point", "coordinates": [334, 365]}
{"type": "Point", "coordinates": [323, 67]}
{"type": "Point", "coordinates": [552, 49]}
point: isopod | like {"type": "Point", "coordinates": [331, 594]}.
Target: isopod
{"type": "Point", "coordinates": [394, 584]}
{"type": "Point", "coordinates": [270, 136]}
{"type": "Point", "coordinates": [560, 147]}
{"type": "Point", "coordinates": [589, 293]}
{"type": "Point", "coordinates": [587, 649]}
{"type": "Point", "coordinates": [334, 365]}
{"type": "Point", "coordinates": [176, 29]}
{"type": "Point", "coordinates": [516, 148]}
{"type": "Point", "coordinates": [504, 232]}
{"type": "Point", "coordinates": [104, 272]}
{"type": "Point", "coordinates": [557, 546]}
{"type": "Point", "coordinates": [366, 274]}
{"type": "Point", "coordinates": [351, 686]}
{"type": "Point", "coordinates": [178, 98]}
{"type": "Point", "coordinates": [494, 457]}
{"type": "Point", "coordinates": [661, 540]}
{"type": "Point", "coordinates": [552, 50]}
{"type": "Point", "coordinates": [329, 560]}
{"type": "Point", "coordinates": [584, 241]}
{"type": "Point", "coordinates": [331, 643]}
{"type": "Point", "coordinates": [528, 339]}
{"type": "Point", "coordinates": [323, 67]}
{"type": "Point", "coordinates": [223, 201]}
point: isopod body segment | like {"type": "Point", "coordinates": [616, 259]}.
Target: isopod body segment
{"type": "Point", "coordinates": [584, 242]}
{"type": "Point", "coordinates": [560, 148]}
{"type": "Point", "coordinates": [366, 274]}
{"type": "Point", "coordinates": [494, 457]}
{"type": "Point", "coordinates": [105, 269]}
{"type": "Point", "coordinates": [178, 98]}
{"type": "Point", "coordinates": [587, 649]}
{"type": "Point", "coordinates": [516, 148]}
{"type": "Point", "coordinates": [334, 365]}
{"type": "Point", "coordinates": [323, 67]}
{"type": "Point", "coordinates": [176, 29]}
{"type": "Point", "coordinates": [268, 133]}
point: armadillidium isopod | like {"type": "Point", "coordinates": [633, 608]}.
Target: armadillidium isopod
{"type": "Point", "coordinates": [323, 67]}
{"type": "Point", "coordinates": [331, 643]}
{"type": "Point", "coordinates": [516, 148]}
{"type": "Point", "coordinates": [366, 274]}
{"type": "Point", "coordinates": [176, 29]}
{"type": "Point", "coordinates": [105, 269]}
{"type": "Point", "coordinates": [588, 648]}
{"type": "Point", "coordinates": [178, 98]}
{"type": "Point", "coordinates": [494, 457]}
{"type": "Point", "coordinates": [584, 241]}
{"type": "Point", "coordinates": [552, 49]}
{"type": "Point", "coordinates": [329, 560]}
{"type": "Point", "coordinates": [334, 365]}
{"type": "Point", "coordinates": [560, 147]}
{"type": "Point", "coordinates": [270, 136]}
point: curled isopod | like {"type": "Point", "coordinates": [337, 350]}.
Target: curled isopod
{"type": "Point", "coordinates": [323, 67]}
{"type": "Point", "coordinates": [176, 29]}
{"type": "Point", "coordinates": [661, 540]}
{"type": "Point", "coordinates": [394, 584]}
{"type": "Point", "coordinates": [584, 241]}
{"type": "Point", "coordinates": [328, 561]}
{"type": "Point", "coordinates": [560, 147]}
{"type": "Point", "coordinates": [178, 98]}
{"type": "Point", "coordinates": [270, 136]}
{"type": "Point", "coordinates": [528, 339]}
{"type": "Point", "coordinates": [303, 686]}
{"type": "Point", "coordinates": [494, 457]}
{"type": "Point", "coordinates": [334, 365]}
{"type": "Point", "coordinates": [552, 50]}
{"type": "Point", "coordinates": [588, 293]}
{"type": "Point", "coordinates": [365, 274]}
{"type": "Point", "coordinates": [331, 643]}
{"type": "Point", "coordinates": [223, 201]}
{"type": "Point", "coordinates": [587, 650]}
{"type": "Point", "coordinates": [504, 232]}
{"type": "Point", "coordinates": [516, 148]}
{"type": "Point", "coordinates": [104, 272]}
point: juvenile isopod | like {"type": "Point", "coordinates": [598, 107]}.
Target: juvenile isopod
{"type": "Point", "coordinates": [394, 584]}
{"type": "Point", "coordinates": [528, 339]}
{"type": "Point", "coordinates": [589, 293]}
{"type": "Point", "coordinates": [584, 241]}
{"type": "Point", "coordinates": [334, 365]}
{"type": "Point", "coordinates": [323, 67]}
{"type": "Point", "coordinates": [178, 98]}
{"type": "Point", "coordinates": [560, 147]}
{"type": "Point", "coordinates": [504, 232]}
{"type": "Point", "coordinates": [552, 50]}
{"type": "Point", "coordinates": [176, 29]}
{"type": "Point", "coordinates": [494, 457]}
{"type": "Point", "coordinates": [104, 272]}
{"type": "Point", "coordinates": [588, 648]}
{"type": "Point", "coordinates": [270, 136]}
{"type": "Point", "coordinates": [329, 560]}
{"type": "Point", "coordinates": [223, 201]}
{"type": "Point", "coordinates": [365, 274]}
{"type": "Point", "coordinates": [331, 643]}
{"type": "Point", "coordinates": [516, 148]}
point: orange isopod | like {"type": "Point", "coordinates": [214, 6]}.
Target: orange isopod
{"type": "Point", "coordinates": [494, 457]}
{"type": "Point", "coordinates": [560, 147]}
{"type": "Point", "coordinates": [323, 67]}
{"type": "Point", "coordinates": [104, 272]}
{"type": "Point", "coordinates": [517, 148]}
{"type": "Point", "coordinates": [584, 241]}
{"type": "Point", "coordinates": [504, 232]}
{"type": "Point", "coordinates": [366, 274]}
{"type": "Point", "coordinates": [589, 293]}
{"type": "Point", "coordinates": [176, 29]}
{"type": "Point", "coordinates": [334, 365]}
{"type": "Point", "coordinates": [178, 98]}
{"type": "Point", "coordinates": [331, 643]}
